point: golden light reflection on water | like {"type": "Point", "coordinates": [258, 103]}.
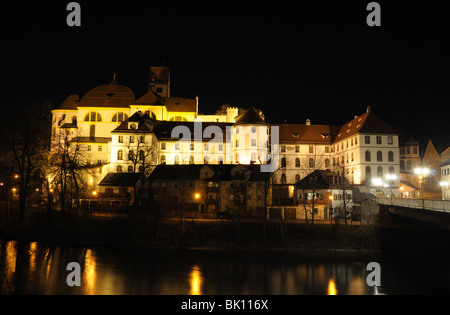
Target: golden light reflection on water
{"type": "Point", "coordinates": [89, 271]}
{"type": "Point", "coordinates": [196, 281]}
{"type": "Point", "coordinates": [332, 290]}
{"type": "Point", "coordinates": [32, 254]}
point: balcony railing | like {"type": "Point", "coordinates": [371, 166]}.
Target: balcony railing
{"type": "Point", "coordinates": [427, 204]}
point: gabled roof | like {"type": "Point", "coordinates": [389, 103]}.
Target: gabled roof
{"type": "Point", "coordinates": [297, 133]}
{"type": "Point", "coordinates": [120, 179]}
{"type": "Point", "coordinates": [180, 104]}
{"type": "Point", "coordinates": [322, 179]}
{"type": "Point", "coordinates": [150, 98]}
{"type": "Point", "coordinates": [368, 122]}
{"type": "Point", "coordinates": [250, 117]}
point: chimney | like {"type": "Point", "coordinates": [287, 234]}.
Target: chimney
{"type": "Point", "coordinates": [308, 122]}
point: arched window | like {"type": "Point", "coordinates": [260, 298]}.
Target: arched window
{"type": "Point", "coordinates": [92, 131]}
{"type": "Point", "coordinates": [283, 178]}
{"type": "Point", "coordinates": [391, 156]}
{"type": "Point", "coordinates": [379, 156]}
{"type": "Point", "coordinates": [119, 169]}
{"type": "Point", "coordinates": [391, 170]}
{"type": "Point", "coordinates": [297, 162]}
{"type": "Point", "coordinates": [163, 159]}
{"type": "Point", "coordinates": [380, 171]}
{"type": "Point", "coordinates": [297, 177]}
{"type": "Point", "coordinates": [130, 169]}
{"type": "Point", "coordinates": [93, 116]}
{"type": "Point", "coordinates": [327, 163]}
{"type": "Point", "coordinates": [119, 155]}
{"type": "Point", "coordinates": [141, 169]}
{"type": "Point", "coordinates": [367, 156]}
{"type": "Point", "coordinates": [283, 162]}
{"type": "Point", "coordinates": [368, 173]}
{"type": "Point", "coordinates": [312, 163]}
{"type": "Point", "coordinates": [131, 155]}
{"type": "Point", "coordinates": [409, 164]}
{"type": "Point", "coordinates": [119, 117]}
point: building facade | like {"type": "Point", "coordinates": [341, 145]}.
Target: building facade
{"type": "Point", "coordinates": [115, 132]}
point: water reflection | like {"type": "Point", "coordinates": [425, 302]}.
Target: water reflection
{"type": "Point", "coordinates": [331, 287]}
{"type": "Point", "coordinates": [196, 281]}
{"type": "Point", "coordinates": [36, 268]}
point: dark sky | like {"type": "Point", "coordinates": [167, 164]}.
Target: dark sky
{"type": "Point", "coordinates": [293, 59]}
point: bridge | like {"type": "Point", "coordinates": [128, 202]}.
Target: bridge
{"type": "Point", "coordinates": [428, 210]}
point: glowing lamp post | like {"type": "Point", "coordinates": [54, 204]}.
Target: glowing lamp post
{"type": "Point", "coordinates": [422, 172]}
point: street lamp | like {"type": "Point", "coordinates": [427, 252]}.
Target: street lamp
{"type": "Point", "coordinates": [391, 178]}
{"type": "Point", "coordinates": [422, 172]}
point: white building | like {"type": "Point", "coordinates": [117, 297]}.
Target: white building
{"type": "Point", "coordinates": [118, 133]}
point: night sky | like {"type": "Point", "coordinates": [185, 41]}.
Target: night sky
{"type": "Point", "coordinates": [292, 59]}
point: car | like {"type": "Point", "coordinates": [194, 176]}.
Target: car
{"type": "Point", "coordinates": [224, 215]}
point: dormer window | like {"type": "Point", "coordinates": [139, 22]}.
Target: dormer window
{"type": "Point", "coordinates": [132, 125]}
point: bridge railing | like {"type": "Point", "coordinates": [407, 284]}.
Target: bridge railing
{"type": "Point", "coordinates": [427, 204]}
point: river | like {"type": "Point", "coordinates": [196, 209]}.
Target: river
{"type": "Point", "coordinates": [39, 268]}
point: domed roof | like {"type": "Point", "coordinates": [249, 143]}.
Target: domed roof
{"type": "Point", "coordinates": [250, 117]}
{"type": "Point", "coordinates": [108, 95]}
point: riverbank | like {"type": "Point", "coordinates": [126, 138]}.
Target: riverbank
{"type": "Point", "coordinates": [222, 235]}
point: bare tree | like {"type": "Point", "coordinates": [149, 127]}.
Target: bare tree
{"type": "Point", "coordinates": [25, 135]}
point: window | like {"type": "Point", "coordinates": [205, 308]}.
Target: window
{"type": "Point", "coordinates": [220, 147]}
{"type": "Point", "coordinates": [390, 140]}
{"type": "Point", "coordinates": [92, 131]}
{"type": "Point", "coordinates": [367, 140]}
{"type": "Point", "coordinates": [131, 155]}
{"type": "Point", "coordinates": [327, 149]}
{"type": "Point", "coordinates": [311, 162]}
{"type": "Point", "coordinates": [163, 159]}
{"type": "Point", "coordinates": [380, 171]}
{"type": "Point", "coordinates": [253, 157]}
{"type": "Point", "coordinates": [119, 117]}
{"type": "Point", "coordinates": [177, 146]}
{"type": "Point", "coordinates": [283, 148]}
{"type": "Point", "coordinates": [141, 155]}
{"type": "Point", "coordinates": [402, 164]}
{"type": "Point", "coordinates": [237, 143]}
{"type": "Point", "coordinates": [120, 139]}
{"type": "Point", "coordinates": [297, 162]}
{"type": "Point", "coordinates": [130, 169]}
{"type": "Point", "coordinates": [283, 162]}
{"type": "Point", "coordinates": [100, 148]}
{"type": "Point", "coordinates": [92, 116]}
{"type": "Point", "coordinates": [297, 149]}
{"type": "Point", "coordinates": [191, 159]}
{"type": "Point", "coordinates": [206, 147]}
{"type": "Point", "coordinates": [163, 146]}
{"type": "Point", "coordinates": [89, 147]}
{"type": "Point", "coordinates": [379, 156]}
{"type": "Point", "coordinates": [391, 156]}
{"type": "Point", "coordinates": [141, 139]}
{"type": "Point", "coordinates": [327, 163]}
{"type": "Point", "coordinates": [109, 190]}
{"type": "Point", "coordinates": [253, 143]}
{"type": "Point", "coordinates": [119, 169]}
{"type": "Point", "coordinates": [311, 149]}
{"type": "Point", "coordinates": [119, 155]}
{"type": "Point", "coordinates": [283, 178]}
{"type": "Point", "coordinates": [378, 139]}
{"type": "Point", "coordinates": [391, 170]}
{"type": "Point", "coordinates": [297, 177]}
{"type": "Point", "coordinates": [414, 150]}
{"type": "Point", "coordinates": [356, 140]}
{"type": "Point", "coordinates": [176, 160]}
{"type": "Point", "coordinates": [131, 139]}
{"type": "Point", "coordinates": [368, 173]}
{"type": "Point", "coordinates": [367, 156]}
